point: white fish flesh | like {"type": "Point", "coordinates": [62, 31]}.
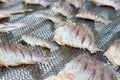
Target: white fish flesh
{"type": "Point", "coordinates": [8, 13]}
{"type": "Point", "coordinates": [113, 53]}
{"type": "Point", "coordinates": [50, 17]}
{"type": "Point", "coordinates": [92, 16]}
{"type": "Point", "coordinates": [113, 3]}
{"type": "Point", "coordinates": [75, 35]}
{"type": "Point", "coordinates": [17, 54]}
{"type": "Point", "coordinates": [77, 3]}
{"type": "Point", "coordinates": [6, 27]}
{"type": "Point", "coordinates": [85, 68]}
{"type": "Point", "coordinates": [35, 40]}
{"type": "Point", "coordinates": [64, 8]}
{"type": "Point", "coordinates": [44, 3]}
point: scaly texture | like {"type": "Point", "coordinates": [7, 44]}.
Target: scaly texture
{"type": "Point", "coordinates": [17, 54]}
{"type": "Point", "coordinates": [113, 53]}
{"type": "Point", "coordinates": [85, 68]}
{"type": "Point", "coordinates": [76, 36]}
{"type": "Point", "coordinates": [35, 40]}
{"type": "Point", "coordinates": [113, 3]}
{"type": "Point", "coordinates": [92, 16]}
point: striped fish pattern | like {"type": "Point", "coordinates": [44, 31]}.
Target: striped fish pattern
{"type": "Point", "coordinates": [85, 68]}
{"type": "Point", "coordinates": [92, 16]}
{"type": "Point", "coordinates": [12, 54]}
{"type": "Point", "coordinates": [35, 40]}
{"type": "Point", "coordinates": [113, 53]}
{"type": "Point", "coordinates": [75, 35]}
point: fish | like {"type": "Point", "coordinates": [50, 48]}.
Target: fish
{"type": "Point", "coordinates": [50, 17]}
{"type": "Point", "coordinates": [77, 3]}
{"type": "Point", "coordinates": [64, 8]}
{"type": "Point", "coordinates": [112, 3]}
{"type": "Point", "coordinates": [8, 13]}
{"type": "Point", "coordinates": [35, 40]}
{"type": "Point", "coordinates": [113, 53]}
{"type": "Point", "coordinates": [86, 14]}
{"type": "Point", "coordinates": [6, 27]}
{"type": "Point", "coordinates": [44, 3]}
{"type": "Point", "coordinates": [84, 67]}
{"type": "Point", "coordinates": [4, 1]}
{"type": "Point", "coordinates": [77, 36]}
{"type": "Point", "coordinates": [12, 54]}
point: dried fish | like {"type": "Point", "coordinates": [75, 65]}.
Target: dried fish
{"type": "Point", "coordinates": [85, 68]}
{"type": "Point", "coordinates": [77, 3]}
{"type": "Point", "coordinates": [113, 3]}
{"type": "Point", "coordinates": [75, 35]}
{"type": "Point", "coordinates": [92, 16]}
{"type": "Point", "coordinates": [6, 27]}
{"type": "Point", "coordinates": [44, 3]}
{"type": "Point", "coordinates": [50, 17]}
{"type": "Point", "coordinates": [113, 53]}
{"type": "Point", "coordinates": [63, 8]}
{"type": "Point", "coordinates": [17, 54]}
{"type": "Point", "coordinates": [4, 1]}
{"type": "Point", "coordinates": [8, 13]}
{"type": "Point", "coordinates": [35, 40]}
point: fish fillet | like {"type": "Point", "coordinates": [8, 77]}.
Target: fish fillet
{"type": "Point", "coordinates": [6, 27]}
{"type": "Point", "coordinates": [77, 36]}
{"type": "Point", "coordinates": [35, 40]}
{"type": "Point", "coordinates": [92, 16]}
{"type": "Point", "coordinates": [44, 3]}
{"type": "Point", "coordinates": [63, 8]}
{"type": "Point", "coordinates": [17, 54]}
{"type": "Point", "coordinates": [113, 3]}
{"type": "Point", "coordinates": [113, 53]}
{"type": "Point", "coordinates": [85, 68]}
{"type": "Point", "coordinates": [8, 13]}
{"type": "Point", "coordinates": [77, 3]}
{"type": "Point", "coordinates": [50, 17]}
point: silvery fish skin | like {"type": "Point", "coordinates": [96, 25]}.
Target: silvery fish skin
{"type": "Point", "coordinates": [35, 40]}
{"type": "Point", "coordinates": [75, 35]}
{"type": "Point", "coordinates": [12, 54]}
{"type": "Point", "coordinates": [52, 18]}
{"type": "Point", "coordinates": [113, 3]}
{"type": "Point", "coordinates": [113, 53]}
{"type": "Point", "coordinates": [63, 8]}
{"type": "Point", "coordinates": [44, 3]}
{"type": "Point", "coordinates": [8, 13]}
{"type": "Point", "coordinates": [85, 68]}
{"type": "Point", "coordinates": [6, 27]}
{"type": "Point", "coordinates": [92, 16]}
{"type": "Point", "coordinates": [77, 3]}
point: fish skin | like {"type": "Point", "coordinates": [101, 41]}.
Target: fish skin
{"type": "Point", "coordinates": [82, 65]}
{"type": "Point", "coordinates": [63, 8]}
{"type": "Point", "coordinates": [12, 54]}
{"type": "Point", "coordinates": [8, 13]}
{"type": "Point", "coordinates": [113, 53]}
{"type": "Point", "coordinates": [6, 27]}
{"type": "Point", "coordinates": [92, 16]}
{"type": "Point", "coordinates": [77, 3]}
{"type": "Point", "coordinates": [52, 18]}
{"type": "Point", "coordinates": [35, 40]}
{"type": "Point", "coordinates": [44, 3]}
{"type": "Point", "coordinates": [75, 35]}
{"type": "Point", "coordinates": [113, 3]}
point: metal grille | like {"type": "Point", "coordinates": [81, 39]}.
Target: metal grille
{"type": "Point", "coordinates": [104, 35]}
